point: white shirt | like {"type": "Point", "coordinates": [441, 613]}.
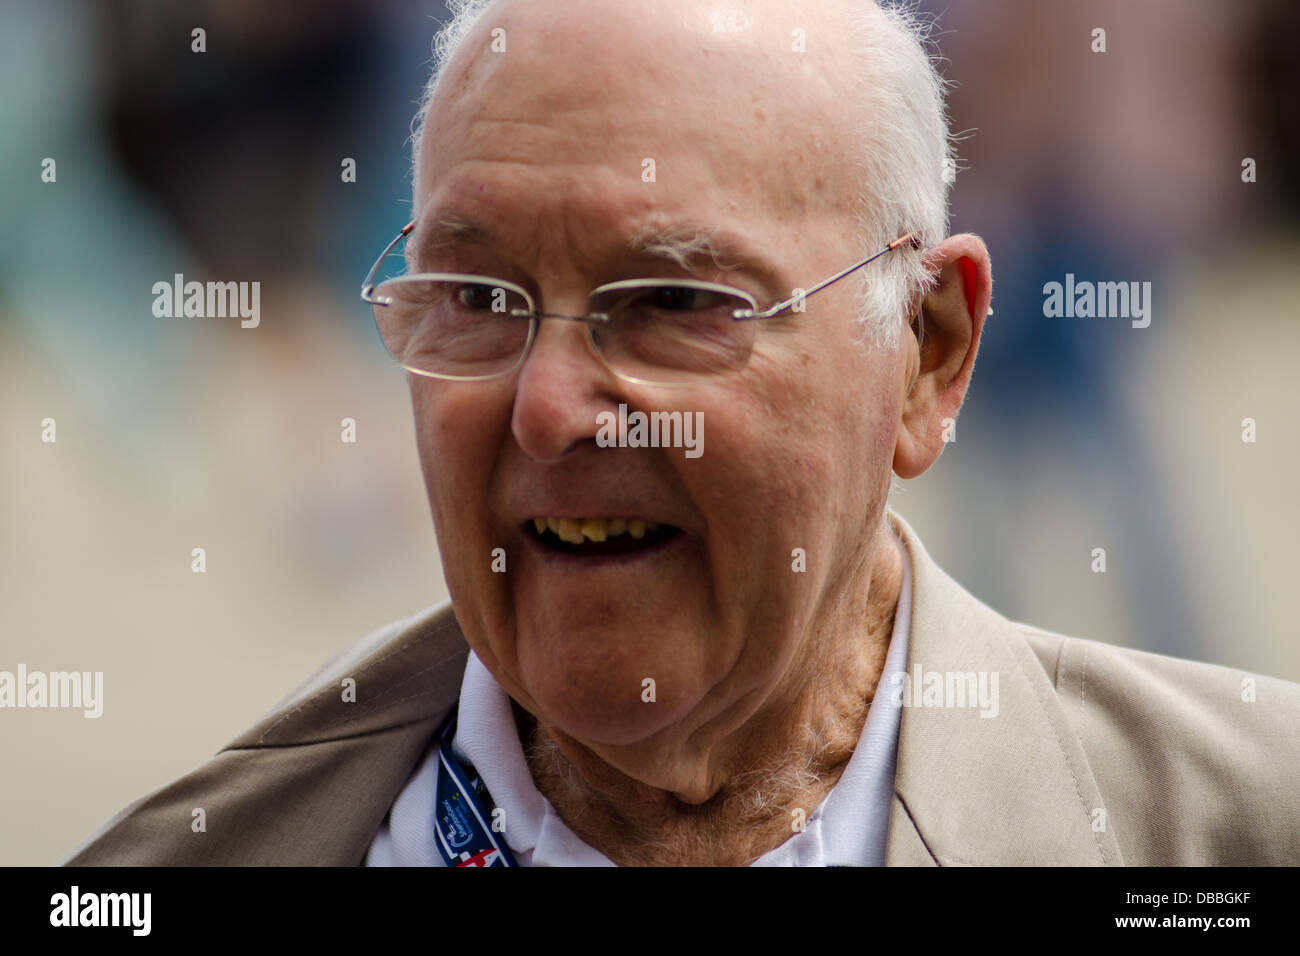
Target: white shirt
{"type": "Point", "coordinates": [848, 829]}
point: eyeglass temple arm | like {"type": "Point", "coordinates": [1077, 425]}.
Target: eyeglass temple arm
{"type": "Point", "coordinates": [910, 238]}
{"type": "Point", "coordinates": [368, 284]}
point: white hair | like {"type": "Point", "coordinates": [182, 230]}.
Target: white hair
{"type": "Point", "coordinates": [906, 161]}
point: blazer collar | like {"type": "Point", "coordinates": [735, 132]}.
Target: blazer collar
{"type": "Point", "coordinates": [1010, 789]}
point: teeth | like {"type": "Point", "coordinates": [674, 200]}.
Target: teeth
{"type": "Point", "coordinates": [577, 530]}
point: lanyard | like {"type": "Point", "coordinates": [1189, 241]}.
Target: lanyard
{"type": "Point", "coordinates": [460, 819]}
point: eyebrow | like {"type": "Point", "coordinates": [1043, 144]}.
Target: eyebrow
{"type": "Point", "coordinates": [684, 244]}
{"type": "Point", "coordinates": [447, 230]}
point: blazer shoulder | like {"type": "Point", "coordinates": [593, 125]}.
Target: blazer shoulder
{"type": "Point", "coordinates": [310, 783]}
{"type": "Point", "coordinates": [1068, 659]}
{"type": "Point", "coordinates": [1199, 764]}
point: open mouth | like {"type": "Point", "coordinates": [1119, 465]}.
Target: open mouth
{"type": "Point", "coordinates": [598, 537]}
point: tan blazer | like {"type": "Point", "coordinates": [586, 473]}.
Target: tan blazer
{"type": "Point", "coordinates": [1097, 754]}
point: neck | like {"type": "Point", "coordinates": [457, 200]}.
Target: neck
{"type": "Point", "coordinates": [771, 774]}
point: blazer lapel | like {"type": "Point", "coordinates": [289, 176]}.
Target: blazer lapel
{"type": "Point", "coordinates": [1011, 788]}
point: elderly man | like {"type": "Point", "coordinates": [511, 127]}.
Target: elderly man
{"type": "Point", "coordinates": [730, 215]}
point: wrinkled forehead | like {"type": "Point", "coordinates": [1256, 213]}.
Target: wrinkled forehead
{"type": "Point", "coordinates": [751, 95]}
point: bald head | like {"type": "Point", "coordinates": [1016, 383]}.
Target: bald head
{"type": "Point", "coordinates": [734, 55]}
{"type": "Point", "coordinates": [680, 77]}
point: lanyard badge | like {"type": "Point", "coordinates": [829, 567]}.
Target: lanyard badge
{"type": "Point", "coordinates": [460, 815]}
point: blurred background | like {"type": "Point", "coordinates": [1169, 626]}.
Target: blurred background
{"type": "Point", "coordinates": [171, 435]}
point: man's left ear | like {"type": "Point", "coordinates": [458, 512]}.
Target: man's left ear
{"type": "Point", "coordinates": [942, 355]}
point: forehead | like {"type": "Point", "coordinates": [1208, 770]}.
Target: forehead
{"type": "Point", "coordinates": [667, 107]}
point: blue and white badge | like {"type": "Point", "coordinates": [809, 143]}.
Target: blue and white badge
{"type": "Point", "coordinates": [460, 818]}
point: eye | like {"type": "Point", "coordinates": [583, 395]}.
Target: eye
{"type": "Point", "coordinates": [679, 298]}
{"type": "Point", "coordinates": [477, 297]}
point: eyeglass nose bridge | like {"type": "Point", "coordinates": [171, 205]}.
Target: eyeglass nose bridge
{"type": "Point", "coordinates": [590, 318]}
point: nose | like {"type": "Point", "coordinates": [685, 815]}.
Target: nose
{"type": "Point", "coordinates": [561, 389]}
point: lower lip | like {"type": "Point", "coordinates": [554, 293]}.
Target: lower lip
{"type": "Point", "coordinates": [659, 549]}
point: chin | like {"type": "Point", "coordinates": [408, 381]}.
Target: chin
{"type": "Point", "coordinates": [604, 705]}
{"type": "Point", "coordinates": [587, 667]}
